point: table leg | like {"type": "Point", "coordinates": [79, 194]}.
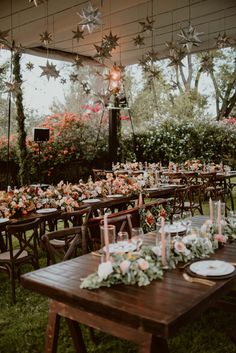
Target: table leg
{"type": "Point", "coordinates": [52, 329]}
{"type": "Point", "coordinates": [159, 345]}
{"type": "Point", "coordinates": [76, 335]}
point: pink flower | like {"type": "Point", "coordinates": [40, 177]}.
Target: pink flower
{"type": "Point", "coordinates": [124, 266]}
{"type": "Point", "coordinates": [180, 246]}
{"type": "Point", "coordinates": [220, 238]}
{"type": "Point", "coordinates": [143, 264]}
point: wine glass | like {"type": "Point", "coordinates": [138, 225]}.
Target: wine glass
{"type": "Point", "coordinates": [186, 219]}
{"type": "Point", "coordinates": [137, 236]}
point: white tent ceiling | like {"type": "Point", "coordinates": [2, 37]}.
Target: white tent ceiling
{"type": "Point", "coordinates": [26, 22]}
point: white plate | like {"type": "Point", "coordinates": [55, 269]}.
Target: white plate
{"type": "Point", "coordinates": [212, 268]}
{"type": "Point", "coordinates": [122, 247]}
{"type": "Point", "coordinates": [172, 228]}
{"type": "Point", "coordinates": [46, 210]}
{"type": "Point", "coordinates": [115, 195]}
{"type": "Point", "coordinates": [151, 189]}
{"type": "Point", "coordinates": [4, 220]}
{"type": "Point", "coordinates": [91, 200]}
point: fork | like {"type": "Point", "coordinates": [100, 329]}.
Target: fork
{"type": "Point", "coordinates": [198, 280]}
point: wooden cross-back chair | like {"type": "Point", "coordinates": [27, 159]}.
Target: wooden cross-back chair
{"type": "Point", "coordinates": [177, 202]}
{"type": "Point", "coordinates": [63, 244]}
{"type": "Point", "coordinates": [76, 218]}
{"type": "Point", "coordinates": [193, 199]}
{"type": "Point", "coordinates": [22, 249]}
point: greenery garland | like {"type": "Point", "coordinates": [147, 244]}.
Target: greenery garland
{"type": "Point", "coordinates": [20, 117]}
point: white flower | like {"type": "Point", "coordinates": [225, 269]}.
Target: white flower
{"type": "Point", "coordinates": [105, 269]}
{"type": "Point", "coordinates": [124, 266]}
{"type": "Point", "coordinates": [180, 247]}
{"type": "Point", "coordinates": [143, 264]}
{"type": "Point", "coordinates": [156, 250]}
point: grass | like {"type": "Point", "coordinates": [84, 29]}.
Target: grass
{"type": "Point", "coordinates": [23, 327]}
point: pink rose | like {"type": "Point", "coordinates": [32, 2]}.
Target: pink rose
{"type": "Point", "coordinates": [220, 238]}
{"type": "Point", "coordinates": [179, 246]}
{"type": "Point", "coordinates": [143, 264]}
{"type": "Point", "coordinates": [124, 266]}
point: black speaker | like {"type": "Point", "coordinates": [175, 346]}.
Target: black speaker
{"type": "Point", "coordinates": [40, 134]}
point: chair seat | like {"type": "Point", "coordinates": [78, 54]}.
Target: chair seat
{"type": "Point", "coordinates": [57, 242]}
{"type": "Point", "coordinates": [6, 255]}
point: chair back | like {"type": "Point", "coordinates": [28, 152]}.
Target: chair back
{"type": "Point", "coordinates": [22, 239]}
{"type": "Point", "coordinates": [122, 222]}
{"type": "Point", "coordinates": [63, 244]}
{"type": "Point", "coordinates": [177, 203]}
{"type": "Point", "coordinates": [76, 218]}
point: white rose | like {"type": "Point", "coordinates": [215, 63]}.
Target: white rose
{"type": "Point", "coordinates": [124, 266]}
{"type": "Point", "coordinates": [105, 269]}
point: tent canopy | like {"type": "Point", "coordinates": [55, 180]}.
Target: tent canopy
{"type": "Point", "coordinates": [122, 17]}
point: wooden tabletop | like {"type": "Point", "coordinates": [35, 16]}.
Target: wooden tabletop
{"type": "Point", "coordinates": [160, 308]}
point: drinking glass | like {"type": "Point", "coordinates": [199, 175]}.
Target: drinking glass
{"type": "Point", "coordinates": [137, 234]}
{"type": "Point", "coordinates": [186, 219]}
{"type": "Point", "coordinates": [111, 233]}
{"type": "Point", "coordinates": [122, 238]}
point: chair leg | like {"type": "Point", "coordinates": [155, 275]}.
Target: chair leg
{"type": "Point", "coordinates": [13, 285]}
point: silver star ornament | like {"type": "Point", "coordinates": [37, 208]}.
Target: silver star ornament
{"type": "Point", "coordinates": [90, 18]}
{"type": "Point", "coordinates": [189, 37]}
{"type": "Point", "coordinates": [49, 70]}
{"type": "Point", "coordinates": [12, 88]}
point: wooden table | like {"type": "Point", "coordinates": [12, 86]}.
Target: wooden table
{"type": "Point", "coordinates": [146, 315]}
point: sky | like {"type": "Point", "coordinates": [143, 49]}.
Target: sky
{"type": "Point", "coordinates": [39, 93]}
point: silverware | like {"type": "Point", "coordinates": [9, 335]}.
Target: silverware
{"type": "Point", "coordinates": [198, 280]}
{"type": "Point", "coordinates": [95, 253]}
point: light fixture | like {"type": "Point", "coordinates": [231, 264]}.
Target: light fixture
{"type": "Point", "coordinates": [115, 79]}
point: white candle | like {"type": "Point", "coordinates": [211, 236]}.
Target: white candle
{"type": "Point", "coordinates": [211, 210]}
{"type": "Point", "coordinates": [106, 238]}
{"type": "Point", "coordinates": [163, 242]}
{"type": "Point", "coordinates": [140, 199]}
{"type": "Point", "coordinates": [219, 218]}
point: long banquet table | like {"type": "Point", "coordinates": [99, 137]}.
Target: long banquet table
{"type": "Point", "coordinates": [146, 315]}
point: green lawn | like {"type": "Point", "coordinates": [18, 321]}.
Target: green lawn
{"type": "Point", "coordinates": [22, 327]}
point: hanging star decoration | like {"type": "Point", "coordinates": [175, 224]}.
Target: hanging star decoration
{"type": "Point", "coordinates": [36, 2]}
{"type": "Point", "coordinates": [78, 62]}
{"type": "Point", "coordinates": [29, 66]}
{"type": "Point", "coordinates": [176, 55]}
{"type": "Point", "coordinates": [90, 18]}
{"type": "Point", "coordinates": [78, 34]}
{"type": "Point", "coordinates": [3, 36]}
{"type": "Point", "coordinates": [74, 78]}
{"type": "Point", "coordinates": [110, 41]}
{"type": "Point", "coordinates": [152, 56]}
{"type": "Point", "coordinates": [85, 86]}
{"type": "Point", "coordinates": [223, 41]}
{"type": "Point", "coordinates": [138, 41]}
{"type": "Point", "coordinates": [63, 81]}
{"type": "Point", "coordinates": [49, 71]}
{"type": "Point", "coordinates": [46, 37]}
{"type": "Point", "coordinates": [172, 47]}
{"type": "Point", "coordinates": [12, 88]}
{"type": "Point", "coordinates": [207, 63]}
{"type": "Point", "coordinates": [154, 73]}
{"type": "Point", "coordinates": [189, 37]}
{"type": "Point", "coordinates": [102, 53]}
{"type": "Point", "coordinates": [103, 98]}
{"type": "Point", "coordinates": [147, 26]}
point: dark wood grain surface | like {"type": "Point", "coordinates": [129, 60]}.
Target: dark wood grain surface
{"type": "Point", "coordinates": [160, 308]}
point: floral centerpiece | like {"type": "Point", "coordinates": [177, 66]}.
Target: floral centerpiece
{"type": "Point", "coordinates": [193, 164]}
{"type": "Point", "coordinates": [17, 202]}
{"type": "Point", "coordinates": [128, 268]}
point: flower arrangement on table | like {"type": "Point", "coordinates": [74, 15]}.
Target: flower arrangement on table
{"type": "Point", "coordinates": [17, 202]}
{"type": "Point", "coordinates": [149, 217]}
{"type": "Point", "coordinates": [193, 164]}
{"type": "Point", "coordinates": [125, 185]}
{"type": "Point", "coordinates": [128, 268]}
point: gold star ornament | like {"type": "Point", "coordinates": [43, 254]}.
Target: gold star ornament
{"type": "Point", "coordinates": [78, 34]}
{"type": "Point", "coordinates": [46, 37]}
{"type": "Point", "coordinates": [90, 18]}
{"type": "Point", "coordinates": [12, 88]}
{"type": "Point", "coordinates": [29, 66]}
{"type": "Point", "coordinates": [189, 37]}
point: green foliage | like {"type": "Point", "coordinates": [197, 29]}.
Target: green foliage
{"type": "Point", "coordinates": [180, 140]}
{"type": "Point", "coordinates": [22, 150]}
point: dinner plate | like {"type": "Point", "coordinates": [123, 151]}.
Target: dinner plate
{"type": "Point", "coordinates": [212, 268]}
{"type": "Point", "coordinates": [91, 200]}
{"type": "Point", "coordinates": [123, 246]}
{"type": "Point", "coordinates": [152, 189]}
{"type": "Point", "coordinates": [46, 210]}
{"type": "Point", "coordinates": [4, 220]}
{"type": "Point", "coordinates": [115, 195]}
{"type": "Point", "coordinates": [173, 228]}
